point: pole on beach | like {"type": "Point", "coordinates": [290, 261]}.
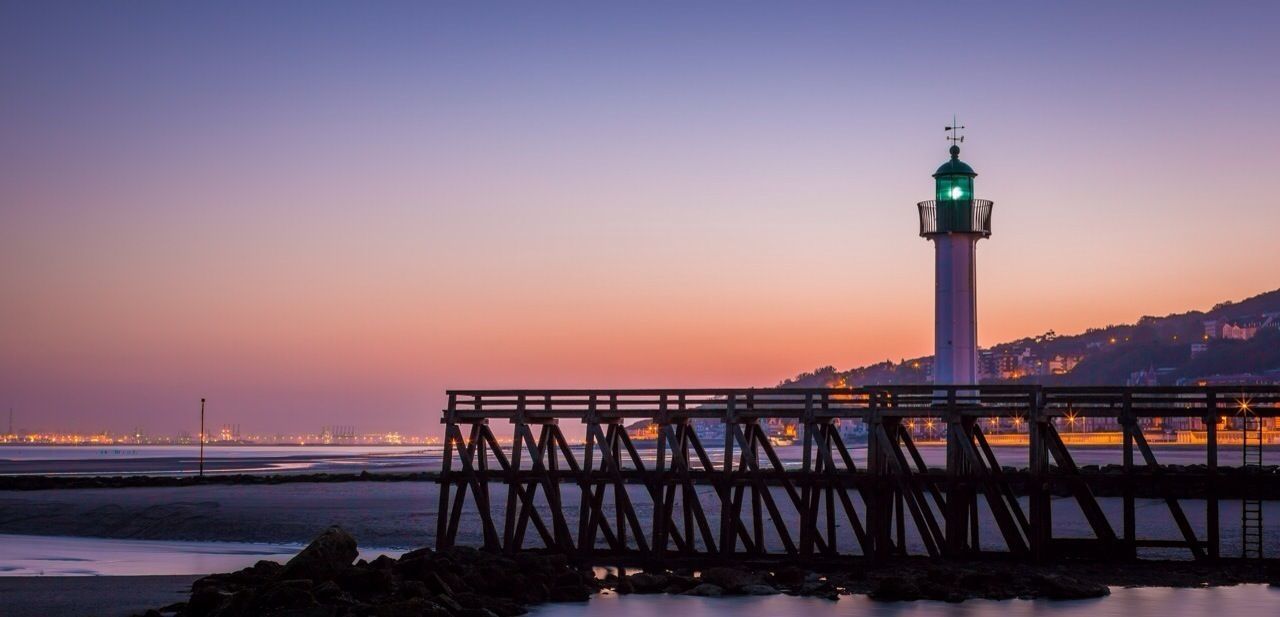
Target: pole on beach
{"type": "Point", "coordinates": [201, 438]}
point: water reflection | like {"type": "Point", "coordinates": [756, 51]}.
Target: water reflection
{"type": "Point", "coordinates": [1240, 601]}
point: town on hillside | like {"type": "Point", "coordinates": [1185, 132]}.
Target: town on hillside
{"type": "Point", "coordinates": [1234, 343]}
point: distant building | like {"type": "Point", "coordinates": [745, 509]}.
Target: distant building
{"type": "Point", "coordinates": [1145, 377]}
{"type": "Point", "coordinates": [1151, 376]}
{"type": "Point", "coordinates": [1239, 333]}
{"type": "Point", "coordinates": [1007, 366]}
{"type": "Point", "coordinates": [1198, 348]}
{"type": "Point", "coordinates": [1061, 365]}
{"type": "Point", "coordinates": [1211, 328]}
{"type": "Point", "coordinates": [988, 367]}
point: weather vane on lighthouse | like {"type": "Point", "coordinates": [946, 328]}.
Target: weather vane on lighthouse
{"type": "Point", "coordinates": [953, 129]}
{"type": "Point", "coordinates": [955, 221]}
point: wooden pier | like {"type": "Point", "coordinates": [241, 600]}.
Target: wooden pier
{"type": "Point", "coordinates": [714, 487]}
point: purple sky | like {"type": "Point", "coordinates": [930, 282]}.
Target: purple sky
{"type": "Point", "coordinates": [317, 213]}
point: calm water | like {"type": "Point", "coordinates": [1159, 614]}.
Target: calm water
{"type": "Point", "coordinates": [1241, 601]}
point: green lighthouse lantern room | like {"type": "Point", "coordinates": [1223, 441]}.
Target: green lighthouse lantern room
{"type": "Point", "coordinates": [954, 209]}
{"type": "Point", "coordinates": [954, 179]}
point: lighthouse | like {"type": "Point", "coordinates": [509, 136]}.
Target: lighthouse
{"type": "Point", "coordinates": [955, 221]}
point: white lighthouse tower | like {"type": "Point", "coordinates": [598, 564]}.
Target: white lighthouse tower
{"type": "Point", "coordinates": [955, 221]}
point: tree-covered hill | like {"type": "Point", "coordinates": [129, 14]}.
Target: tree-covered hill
{"type": "Point", "coordinates": [1162, 347]}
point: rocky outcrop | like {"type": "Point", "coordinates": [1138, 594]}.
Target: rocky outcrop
{"type": "Point", "coordinates": [325, 580]}
{"type": "Point", "coordinates": [327, 557]}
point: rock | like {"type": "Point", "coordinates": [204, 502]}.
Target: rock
{"type": "Point", "coordinates": [476, 612]}
{"type": "Point", "coordinates": [323, 581]}
{"type": "Point", "coordinates": [448, 602]}
{"type": "Point", "coordinates": [1059, 587]}
{"type": "Point", "coordinates": [706, 590]}
{"type": "Point", "coordinates": [205, 600]}
{"type": "Point", "coordinates": [731, 579]}
{"type": "Point", "coordinates": [416, 607]}
{"type": "Point", "coordinates": [503, 607]}
{"type": "Point", "coordinates": [436, 584]}
{"type": "Point", "coordinates": [813, 588]}
{"type": "Point", "coordinates": [365, 582]}
{"type": "Point", "coordinates": [414, 589]}
{"type": "Point", "coordinates": [421, 553]}
{"type": "Point", "coordinates": [327, 556]}
{"type": "Point", "coordinates": [646, 582]}
{"type": "Point", "coordinates": [758, 590]}
{"type": "Point", "coordinates": [790, 576]}
{"type": "Point", "coordinates": [295, 594]}
{"type": "Point", "coordinates": [895, 589]}
{"type": "Point", "coordinates": [330, 593]}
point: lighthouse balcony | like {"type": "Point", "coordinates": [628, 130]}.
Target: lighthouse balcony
{"type": "Point", "coordinates": [961, 216]}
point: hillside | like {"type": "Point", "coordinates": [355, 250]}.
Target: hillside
{"type": "Point", "coordinates": [1233, 342]}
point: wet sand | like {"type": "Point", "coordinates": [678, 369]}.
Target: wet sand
{"type": "Point", "coordinates": [403, 514]}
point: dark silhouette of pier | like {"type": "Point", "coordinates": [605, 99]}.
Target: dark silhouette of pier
{"type": "Point", "coordinates": [646, 508]}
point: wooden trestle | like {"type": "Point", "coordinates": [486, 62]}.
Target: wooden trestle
{"type": "Point", "coordinates": [686, 497]}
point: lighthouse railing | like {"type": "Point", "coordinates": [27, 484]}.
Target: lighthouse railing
{"type": "Point", "coordinates": [960, 216]}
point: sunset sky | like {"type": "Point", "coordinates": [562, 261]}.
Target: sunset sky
{"type": "Point", "coordinates": [317, 213]}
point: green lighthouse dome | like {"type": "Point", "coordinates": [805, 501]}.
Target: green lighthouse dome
{"type": "Point", "coordinates": [955, 167]}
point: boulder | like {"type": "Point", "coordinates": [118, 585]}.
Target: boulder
{"type": "Point", "coordinates": [706, 590]}
{"type": "Point", "coordinates": [436, 584]}
{"type": "Point", "coordinates": [328, 555]}
{"type": "Point", "coordinates": [366, 582]}
{"type": "Point", "coordinates": [731, 579]}
{"type": "Point", "coordinates": [290, 595]}
{"type": "Point", "coordinates": [1059, 587]}
{"type": "Point", "coordinates": [207, 599]}
{"type": "Point", "coordinates": [416, 607]}
{"type": "Point", "coordinates": [758, 590]}
{"type": "Point", "coordinates": [790, 576]}
{"type": "Point", "coordinates": [895, 589]}
{"type": "Point", "coordinates": [647, 582]}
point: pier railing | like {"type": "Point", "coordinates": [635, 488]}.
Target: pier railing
{"type": "Point", "coordinates": [711, 483]}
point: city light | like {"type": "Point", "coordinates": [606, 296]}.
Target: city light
{"type": "Point", "coordinates": [1244, 405]}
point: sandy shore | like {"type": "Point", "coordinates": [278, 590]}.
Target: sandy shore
{"type": "Point", "coordinates": [81, 596]}
{"type": "Point", "coordinates": [380, 514]}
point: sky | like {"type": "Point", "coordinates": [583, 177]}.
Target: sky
{"type": "Point", "coordinates": [320, 213]}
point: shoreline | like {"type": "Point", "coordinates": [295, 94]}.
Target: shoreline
{"type": "Point", "coordinates": [467, 579]}
{"type": "Point", "coordinates": [461, 581]}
